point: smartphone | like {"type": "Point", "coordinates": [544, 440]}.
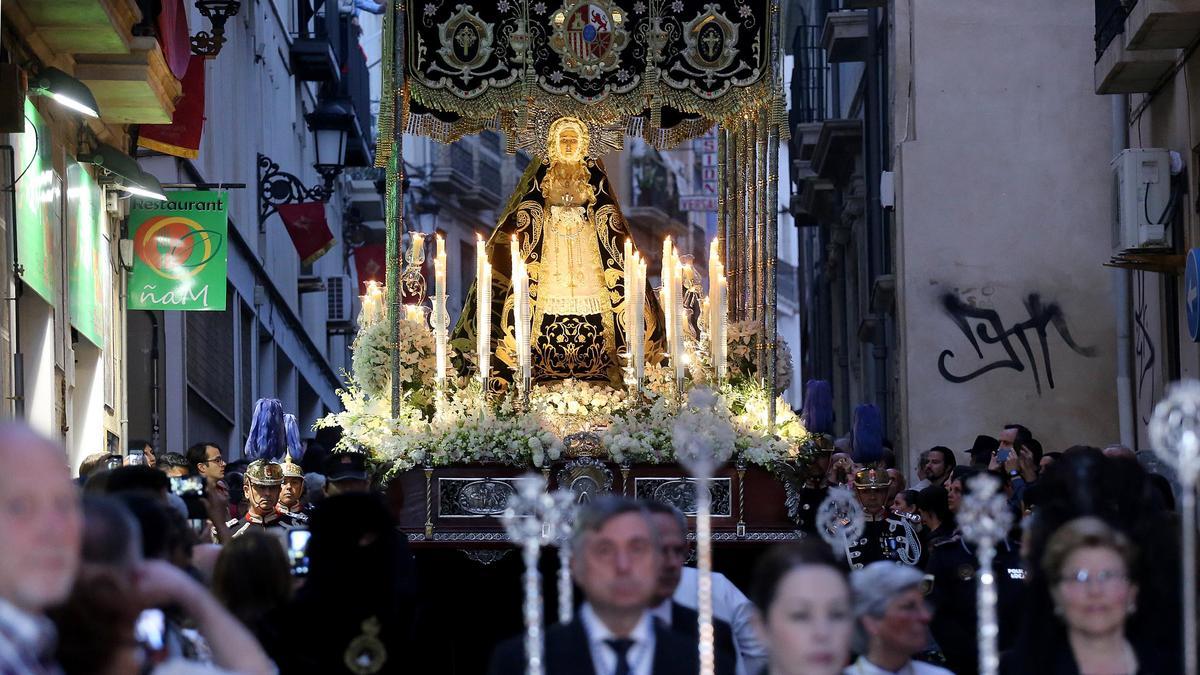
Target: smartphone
{"type": "Point", "coordinates": [188, 486]}
{"type": "Point", "coordinates": [113, 462]}
{"type": "Point", "coordinates": [297, 546]}
{"type": "Point", "coordinates": [137, 457]}
{"type": "Point", "coordinates": [1002, 455]}
{"type": "Point", "coordinates": [150, 629]}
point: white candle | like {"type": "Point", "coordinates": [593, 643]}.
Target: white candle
{"type": "Point", "coordinates": [440, 320]}
{"type": "Point", "coordinates": [521, 311]}
{"type": "Point", "coordinates": [717, 310]}
{"type": "Point", "coordinates": [483, 311]}
{"type": "Point", "coordinates": [640, 355]}
{"type": "Point", "coordinates": [416, 252]}
{"type": "Point", "coordinates": [668, 311]}
{"type": "Point", "coordinates": [677, 306]}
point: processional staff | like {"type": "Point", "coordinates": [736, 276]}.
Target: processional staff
{"type": "Point", "coordinates": [986, 519]}
{"type": "Point", "coordinates": [1175, 434]}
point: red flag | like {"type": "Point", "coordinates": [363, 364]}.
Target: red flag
{"type": "Point", "coordinates": [174, 36]}
{"type": "Point", "coordinates": [370, 261]}
{"type": "Point", "coordinates": [181, 137]}
{"type": "Point", "coordinates": [306, 224]}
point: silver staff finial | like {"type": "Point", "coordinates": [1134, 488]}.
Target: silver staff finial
{"type": "Point", "coordinates": [562, 524]}
{"type": "Point", "coordinates": [526, 520]}
{"type": "Point", "coordinates": [841, 521]}
{"type": "Point", "coordinates": [1175, 434]}
{"type": "Point", "coordinates": [985, 519]}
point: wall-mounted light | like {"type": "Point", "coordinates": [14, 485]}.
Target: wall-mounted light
{"type": "Point", "coordinates": [65, 90]}
{"type": "Point", "coordinates": [330, 123]}
{"type": "Point", "coordinates": [123, 173]}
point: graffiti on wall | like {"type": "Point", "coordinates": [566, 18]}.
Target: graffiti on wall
{"type": "Point", "coordinates": [1144, 352]}
{"type": "Point", "coordinates": [998, 344]}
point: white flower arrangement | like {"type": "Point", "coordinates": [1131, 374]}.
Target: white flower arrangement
{"type": "Point", "coordinates": [372, 360]}
{"type": "Point", "coordinates": [569, 406]}
{"type": "Point", "coordinates": [468, 427]}
{"type": "Point", "coordinates": [744, 337]}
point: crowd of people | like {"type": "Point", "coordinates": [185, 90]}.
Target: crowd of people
{"type": "Point", "coordinates": [186, 563]}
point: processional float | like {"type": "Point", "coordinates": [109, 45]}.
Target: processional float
{"type": "Point", "coordinates": [562, 294]}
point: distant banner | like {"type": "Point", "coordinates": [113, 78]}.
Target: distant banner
{"type": "Point", "coordinates": [308, 228]}
{"type": "Point", "coordinates": [181, 137]}
{"type": "Point", "coordinates": [180, 254]}
{"type": "Point", "coordinates": [370, 261]}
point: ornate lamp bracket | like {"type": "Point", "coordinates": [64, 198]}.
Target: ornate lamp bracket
{"type": "Point", "coordinates": [208, 44]}
{"type": "Point", "coordinates": [276, 187]}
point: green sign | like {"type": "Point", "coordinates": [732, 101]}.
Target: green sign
{"type": "Point", "coordinates": [179, 249]}
{"type": "Point", "coordinates": [86, 285]}
{"type": "Point", "coordinates": [38, 205]}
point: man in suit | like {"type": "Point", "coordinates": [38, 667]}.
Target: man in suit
{"type": "Point", "coordinates": [672, 529]}
{"type": "Point", "coordinates": [616, 562]}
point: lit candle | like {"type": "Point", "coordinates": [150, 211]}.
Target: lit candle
{"type": "Point", "coordinates": [440, 318]}
{"type": "Point", "coordinates": [639, 359]}
{"type": "Point", "coordinates": [717, 310]}
{"type": "Point", "coordinates": [521, 310]}
{"type": "Point", "coordinates": [668, 310]}
{"type": "Point", "coordinates": [417, 250]}
{"type": "Point", "coordinates": [483, 311]}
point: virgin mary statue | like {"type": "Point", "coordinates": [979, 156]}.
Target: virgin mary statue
{"type": "Point", "coordinates": [571, 235]}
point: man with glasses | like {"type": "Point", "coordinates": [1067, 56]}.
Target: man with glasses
{"type": "Point", "coordinates": [207, 460]}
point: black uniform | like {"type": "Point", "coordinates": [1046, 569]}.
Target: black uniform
{"type": "Point", "coordinates": [885, 539]}
{"type": "Point", "coordinates": [954, 568]}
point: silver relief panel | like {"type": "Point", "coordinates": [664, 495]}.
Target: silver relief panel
{"type": "Point", "coordinates": [681, 493]}
{"type": "Point", "coordinates": [473, 497]}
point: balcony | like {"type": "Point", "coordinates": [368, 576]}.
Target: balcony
{"type": "Point", "coordinates": [76, 26]}
{"type": "Point", "coordinates": [313, 54]}
{"type": "Point", "coordinates": [453, 167]}
{"type": "Point", "coordinates": [845, 36]}
{"type": "Point", "coordinates": [655, 198]}
{"type": "Point", "coordinates": [1162, 24]}
{"type": "Point", "coordinates": [354, 87]}
{"type": "Point", "coordinates": [1125, 71]}
{"type": "Point", "coordinates": [809, 75]}
{"type": "Point", "coordinates": [365, 191]}
{"type": "Point", "coordinates": [136, 87]}
{"type": "Point", "coordinates": [485, 193]}
{"type": "Point", "coordinates": [838, 147]}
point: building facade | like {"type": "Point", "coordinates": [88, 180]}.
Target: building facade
{"type": "Point", "coordinates": [1145, 69]}
{"type": "Point", "coordinates": [954, 200]}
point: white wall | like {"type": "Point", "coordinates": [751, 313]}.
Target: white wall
{"type": "Point", "coordinates": [1003, 195]}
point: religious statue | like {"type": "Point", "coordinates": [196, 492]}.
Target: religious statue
{"type": "Point", "coordinates": [571, 235]}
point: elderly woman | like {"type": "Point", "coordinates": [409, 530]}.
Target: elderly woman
{"type": "Point", "coordinates": [893, 621]}
{"type": "Point", "coordinates": [1089, 566]}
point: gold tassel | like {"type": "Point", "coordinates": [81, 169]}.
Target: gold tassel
{"type": "Point", "coordinates": [779, 117]}
{"type": "Point", "coordinates": [387, 103]}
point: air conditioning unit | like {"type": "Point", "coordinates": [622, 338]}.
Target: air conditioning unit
{"type": "Point", "coordinates": [1141, 195]}
{"type": "Point", "coordinates": [341, 308]}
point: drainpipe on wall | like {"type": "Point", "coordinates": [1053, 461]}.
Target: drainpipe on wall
{"type": "Point", "coordinates": [1121, 294]}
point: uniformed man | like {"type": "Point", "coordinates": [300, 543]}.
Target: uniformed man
{"type": "Point", "coordinates": [954, 566]}
{"type": "Point", "coordinates": [262, 485]}
{"type": "Point", "coordinates": [816, 484]}
{"type": "Point", "coordinates": [886, 535]}
{"type": "Point", "coordinates": [291, 493]}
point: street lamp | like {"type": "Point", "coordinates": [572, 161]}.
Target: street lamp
{"type": "Point", "coordinates": [427, 208]}
{"type": "Point", "coordinates": [123, 172]}
{"type": "Point", "coordinates": [66, 90]}
{"type": "Point", "coordinates": [330, 123]}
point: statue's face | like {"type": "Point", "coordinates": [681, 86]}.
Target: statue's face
{"type": "Point", "coordinates": [568, 145]}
